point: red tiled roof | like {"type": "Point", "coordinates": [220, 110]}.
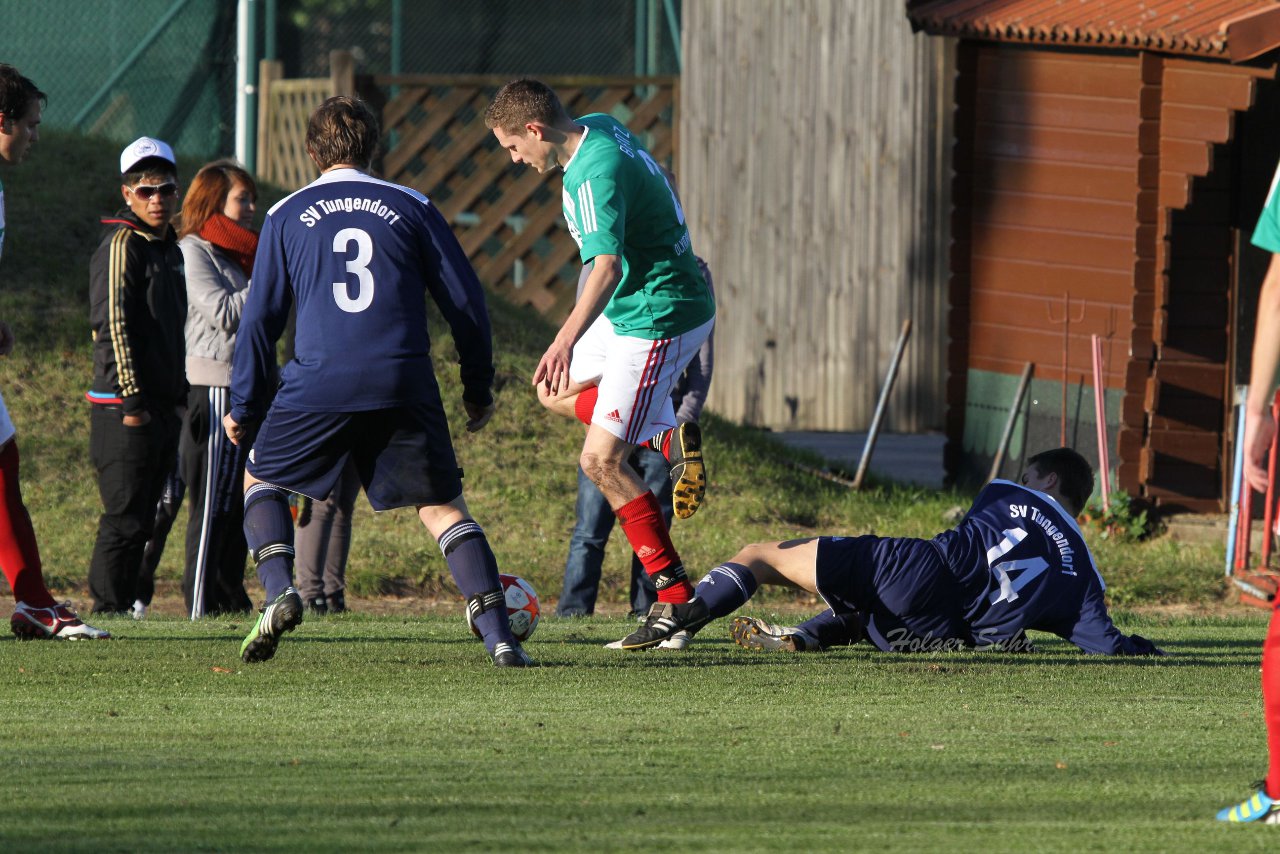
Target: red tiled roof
{"type": "Point", "coordinates": [1223, 29]}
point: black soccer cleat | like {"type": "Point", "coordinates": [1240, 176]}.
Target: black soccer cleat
{"type": "Point", "coordinates": [282, 615]}
{"type": "Point", "coordinates": [688, 469]}
{"type": "Point", "coordinates": [510, 655]}
{"type": "Point", "coordinates": [664, 620]}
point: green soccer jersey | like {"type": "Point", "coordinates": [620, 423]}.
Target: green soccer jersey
{"type": "Point", "coordinates": [1266, 235]}
{"type": "Point", "coordinates": [617, 202]}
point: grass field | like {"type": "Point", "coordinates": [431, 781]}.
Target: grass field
{"type": "Point", "coordinates": [390, 731]}
{"type": "Point", "coordinates": [390, 734]}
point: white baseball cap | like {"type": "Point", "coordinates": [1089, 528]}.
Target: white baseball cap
{"type": "Point", "coordinates": [142, 148]}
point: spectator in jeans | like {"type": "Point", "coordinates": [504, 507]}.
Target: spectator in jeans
{"type": "Point", "coordinates": [594, 517]}
{"type": "Point", "coordinates": [137, 308]}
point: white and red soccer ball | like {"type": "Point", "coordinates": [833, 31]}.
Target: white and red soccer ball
{"type": "Point", "coordinates": [522, 607]}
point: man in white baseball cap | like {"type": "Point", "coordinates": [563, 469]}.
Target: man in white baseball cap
{"type": "Point", "coordinates": [138, 310]}
{"type": "Point", "coordinates": [145, 148]}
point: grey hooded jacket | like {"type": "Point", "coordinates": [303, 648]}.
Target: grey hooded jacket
{"type": "Point", "coordinates": [216, 291]}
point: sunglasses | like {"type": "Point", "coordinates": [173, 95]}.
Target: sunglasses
{"type": "Point", "coordinates": [146, 191]}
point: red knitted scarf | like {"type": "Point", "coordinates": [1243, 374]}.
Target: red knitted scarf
{"type": "Point", "coordinates": [233, 238]}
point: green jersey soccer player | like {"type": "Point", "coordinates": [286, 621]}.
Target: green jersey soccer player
{"type": "Point", "coordinates": [642, 314]}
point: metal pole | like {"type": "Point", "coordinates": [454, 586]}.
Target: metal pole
{"type": "Point", "coordinates": [247, 83]}
{"type": "Point", "coordinates": [881, 404]}
{"type": "Point", "coordinates": [139, 49]}
{"type": "Point", "coordinates": [673, 27]}
{"type": "Point", "coordinates": [1237, 479]}
{"type": "Point", "coordinates": [1008, 424]}
{"type": "Point", "coordinates": [1269, 506]}
{"type": "Point", "coordinates": [1244, 532]}
{"type": "Point", "coordinates": [1100, 416]}
{"type": "Point", "coordinates": [642, 20]}
{"type": "Point", "coordinates": [269, 32]}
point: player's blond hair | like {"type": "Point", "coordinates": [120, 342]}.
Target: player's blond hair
{"type": "Point", "coordinates": [522, 101]}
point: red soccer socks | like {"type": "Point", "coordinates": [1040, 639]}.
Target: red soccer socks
{"type": "Point", "coordinates": [646, 530]}
{"type": "Point", "coordinates": [19, 554]}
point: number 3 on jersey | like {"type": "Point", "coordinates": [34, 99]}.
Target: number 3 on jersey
{"type": "Point", "coordinates": [358, 265]}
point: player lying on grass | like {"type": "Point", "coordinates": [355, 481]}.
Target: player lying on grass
{"type": "Point", "coordinates": [1016, 562]}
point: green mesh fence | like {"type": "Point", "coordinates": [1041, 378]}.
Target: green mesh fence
{"type": "Point", "coordinates": [167, 68]}
{"type": "Point", "coordinates": [124, 68]}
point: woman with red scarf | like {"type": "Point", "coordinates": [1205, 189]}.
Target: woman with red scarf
{"type": "Point", "coordinates": [217, 248]}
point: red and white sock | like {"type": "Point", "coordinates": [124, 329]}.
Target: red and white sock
{"type": "Point", "coordinates": [1271, 700]}
{"type": "Point", "coordinates": [19, 554]}
{"type": "Point", "coordinates": [646, 530]}
{"type": "Point", "coordinates": [662, 443]}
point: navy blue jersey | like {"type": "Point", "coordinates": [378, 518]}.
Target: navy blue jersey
{"type": "Point", "coordinates": [357, 255]}
{"type": "Point", "coordinates": [1022, 563]}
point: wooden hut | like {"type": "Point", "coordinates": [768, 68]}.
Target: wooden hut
{"type": "Point", "coordinates": [1110, 161]}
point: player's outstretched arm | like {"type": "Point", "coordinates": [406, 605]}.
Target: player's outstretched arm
{"type": "Point", "coordinates": [1259, 425]}
{"type": "Point", "coordinates": [456, 290]}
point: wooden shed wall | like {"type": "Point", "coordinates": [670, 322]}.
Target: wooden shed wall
{"type": "Point", "coordinates": [814, 171]}
{"type": "Point", "coordinates": [1050, 198]}
{"type": "Point", "coordinates": [1179, 413]}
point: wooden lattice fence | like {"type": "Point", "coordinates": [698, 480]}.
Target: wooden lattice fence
{"type": "Point", "coordinates": [284, 106]}
{"type": "Point", "coordinates": [507, 217]}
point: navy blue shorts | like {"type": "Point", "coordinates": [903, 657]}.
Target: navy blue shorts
{"type": "Point", "coordinates": [903, 590]}
{"type": "Point", "coordinates": [404, 455]}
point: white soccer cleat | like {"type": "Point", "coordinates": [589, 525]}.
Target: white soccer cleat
{"type": "Point", "coordinates": [139, 610]}
{"type": "Point", "coordinates": [680, 640]}
{"type": "Point", "coordinates": [58, 622]}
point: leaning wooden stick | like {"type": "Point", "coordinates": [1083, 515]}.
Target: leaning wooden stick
{"type": "Point", "coordinates": [1008, 425]}
{"type": "Point", "coordinates": [882, 403]}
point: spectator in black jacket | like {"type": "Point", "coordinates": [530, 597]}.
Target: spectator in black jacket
{"type": "Point", "coordinates": [138, 308]}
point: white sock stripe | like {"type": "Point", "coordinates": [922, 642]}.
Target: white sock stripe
{"type": "Point", "coordinates": [458, 530]}
{"type": "Point", "coordinates": [732, 576]}
{"type": "Point", "coordinates": [273, 549]}
{"type": "Point", "coordinates": [260, 487]}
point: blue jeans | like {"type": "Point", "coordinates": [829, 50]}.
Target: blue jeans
{"type": "Point", "coordinates": [591, 532]}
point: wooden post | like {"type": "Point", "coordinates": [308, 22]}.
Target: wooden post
{"type": "Point", "coordinates": [342, 73]}
{"type": "Point", "coordinates": [1008, 425]}
{"type": "Point", "coordinates": [882, 404]}
{"type": "Point", "coordinates": [269, 70]}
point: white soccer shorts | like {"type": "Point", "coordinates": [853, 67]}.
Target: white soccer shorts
{"type": "Point", "coordinates": [635, 375]}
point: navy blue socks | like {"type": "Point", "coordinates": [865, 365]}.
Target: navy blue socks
{"type": "Point", "coordinates": [726, 588]}
{"type": "Point", "coordinates": [475, 571]}
{"type": "Point", "coordinates": [268, 529]}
